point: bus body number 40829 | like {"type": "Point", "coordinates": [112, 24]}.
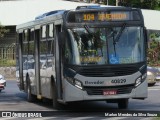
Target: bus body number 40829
{"type": "Point", "coordinates": [118, 81]}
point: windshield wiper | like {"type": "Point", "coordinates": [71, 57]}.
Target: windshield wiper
{"type": "Point", "coordinates": [88, 29]}
{"type": "Point", "coordinates": [114, 44]}
{"type": "Point", "coordinates": [120, 32]}
{"type": "Point", "coordinates": [115, 40]}
{"type": "Point", "coordinates": [112, 35]}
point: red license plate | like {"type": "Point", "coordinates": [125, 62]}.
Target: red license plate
{"type": "Point", "coordinates": [109, 92]}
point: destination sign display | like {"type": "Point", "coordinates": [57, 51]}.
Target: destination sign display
{"type": "Point", "coordinates": [105, 16]}
{"type": "Point", "coordinates": [102, 16]}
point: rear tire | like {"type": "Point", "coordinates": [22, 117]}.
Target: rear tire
{"type": "Point", "coordinates": [123, 103]}
{"type": "Point", "coordinates": [30, 96]}
{"type": "Point", "coordinates": [56, 104]}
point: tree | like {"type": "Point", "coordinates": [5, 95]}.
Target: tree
{"type": "Point", "coordinates": [145, 4]}
{"type": "Point", "coordinates": [3, 31]}
{"type": "Point", "coordinates": [153, 54]}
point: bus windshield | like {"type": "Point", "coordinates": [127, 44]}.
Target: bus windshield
{"type": "Point", "coordinates": [105, 45]}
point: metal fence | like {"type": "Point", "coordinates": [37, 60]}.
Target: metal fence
{"type": "Point", "coordinates": [7, 55]}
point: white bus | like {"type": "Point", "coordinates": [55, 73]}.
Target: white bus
{"type": "Point", "coordinates": [86, 54]}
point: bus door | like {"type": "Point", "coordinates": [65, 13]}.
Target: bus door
{"type": "Point", "coordinates": [50, 63]}
{"type": "Point", "coordinates": [37, 62]}
{"type": "Point", "coordinates": [58, 61]}
{"type": "Point", "coordinates": [31, 59]}
{"type": "Point", "coordinates": [43, 48]}
{"type": "Point", "coordinates": [25, 55]}
{"type": "Point", "coordinates": [20, 60]}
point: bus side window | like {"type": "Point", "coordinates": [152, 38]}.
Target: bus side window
{"type": "Point", "coordinates": [43, 31]}
{"type": "Point", "coordinates": [50, 47]}
{"type": "Point", "coordinates": [50, 39]}
{"type": "Point", "coordinates": [50, 44]}
{"type": "Point", "coordinates": [50, 30]}
{"type": "Point", "coordinates": [67, 53]}
{"type": "Point", "coordinates": [25, 43]}
{"type": "Point", "coordinates": [31, 42]}
{"type": "Point", "coordinates": [43, 48]}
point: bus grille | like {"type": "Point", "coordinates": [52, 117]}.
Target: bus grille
{"type": "Point", "coordinates": [107, 72]}
{"type": "Point", "coordinates": [99, 90]}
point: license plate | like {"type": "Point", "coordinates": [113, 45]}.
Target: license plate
{"type": "Point", "coordinates": [109, 92]}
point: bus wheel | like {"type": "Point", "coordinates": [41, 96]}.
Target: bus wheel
{"type": "Point", "coordinates": [123, 103]}
{"type": "Point", "coordinates": [56, 104]}
{"type": "Point", "coordinates": [30, 96]}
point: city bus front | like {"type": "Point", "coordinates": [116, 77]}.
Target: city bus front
{"type": "Point", "coordinates": [105, 60]}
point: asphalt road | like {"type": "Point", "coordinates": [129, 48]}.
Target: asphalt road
{"type": "Point", "coordinates": [11, 99]}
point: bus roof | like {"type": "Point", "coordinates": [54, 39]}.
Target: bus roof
{"type": "Point", "coordinates": [57, 14]}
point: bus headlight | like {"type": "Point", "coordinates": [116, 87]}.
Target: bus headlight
{"type": "Point", "coordinates": [75, 82]}
{"type": "Point", "coordinates": [140, 80]}
{"type": "Point", "coordinates": [78, 84]}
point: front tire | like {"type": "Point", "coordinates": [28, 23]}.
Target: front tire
{"type": "Point", "coordinates": [123, 103]}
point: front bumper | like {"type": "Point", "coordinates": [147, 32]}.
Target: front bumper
{"type": "Point", "coordinates": [73, 93]}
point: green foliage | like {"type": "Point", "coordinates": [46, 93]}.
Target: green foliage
{"type": "Point", "coordinates": [152, 36]}
{"type": "Point", "coordinates": [7, 63]}
{"type": "Point", "coordinates": [153, 56]}
{"type": "Point", "coordinates": [112, 2]}
{"type": "Point", "coordinates": [144, 4]}
{"type": "Point", "coordinates": [157, 118]}
{"type": "Point", "coordinates": [3, 31]}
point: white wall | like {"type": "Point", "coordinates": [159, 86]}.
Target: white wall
{"type": "Point", "coordinates": [151, 19]}
{"type": "Point", "coordinates": [18, 12]}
